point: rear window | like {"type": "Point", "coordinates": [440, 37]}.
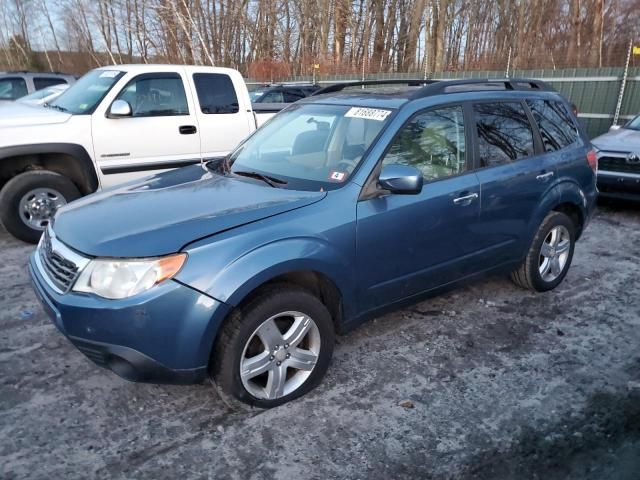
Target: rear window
{"type": "Point", "coordinates": [555, 124]}
{"type": "Point", "coordinates": [12, 88]}
{"type": "Point", "coordinates": [42, 82]}
{"type": "Point", "coordinates": [216, 93]}
{"type": "Point", "coordinates": [504, 133]}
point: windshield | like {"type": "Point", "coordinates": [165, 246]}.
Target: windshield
{"type": "Point", "coordinates": [309, 146]}
{"type": "Point", "coordinates": [84, 95]}
{"type": "Point", "coordinates": [633, 124]}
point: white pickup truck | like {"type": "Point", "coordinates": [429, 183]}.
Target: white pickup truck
{"type": "Point", "coordinates": [115, 124]}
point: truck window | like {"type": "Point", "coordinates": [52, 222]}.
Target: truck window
{"type": "Point", "coordinates": [44, 82]}
{"type": "Point", "coordinates": [156, 95]}
{"type": "Point", "coordinates": [555, 124]}
{"type": "Point", "coordinates": [12, 88]}
{"type": "Point", "coordinates": [216, 93]}
{"type": "Point", "coordinates": [504, 133]}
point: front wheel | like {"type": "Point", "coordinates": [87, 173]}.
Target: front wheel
{"type": "Point", "coordinates": [29, 201]}
{"type": "Point", "coordinates": [549, 257]}
{"type": "Point", "coordinates": [274, 349]}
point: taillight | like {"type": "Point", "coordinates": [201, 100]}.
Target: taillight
{"type": "Point", "coordinates": [592, 159]}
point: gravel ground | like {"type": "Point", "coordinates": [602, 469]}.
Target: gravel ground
{"type": "Point", "coordinates": [502, 383]}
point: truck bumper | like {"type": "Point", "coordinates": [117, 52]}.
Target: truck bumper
{"type": "Point", "coordinates": [620, 185]}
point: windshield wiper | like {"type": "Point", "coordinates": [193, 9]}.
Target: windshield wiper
{"type": "Point", "coordinates": [56, 107]}
{"type": "Point", "coordinates": [269, 180]}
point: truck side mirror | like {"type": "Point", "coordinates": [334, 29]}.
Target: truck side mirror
{"type": "Point", "coordinates": [120, 109]}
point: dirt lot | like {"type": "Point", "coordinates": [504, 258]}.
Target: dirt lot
{"type": "Point", "coordinates": [504, 384]}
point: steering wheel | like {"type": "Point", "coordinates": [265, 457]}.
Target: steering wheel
{"type": "Point", "coordinates": [347, 165]}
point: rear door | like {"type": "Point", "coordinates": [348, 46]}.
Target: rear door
{"type": "Point", "coordinates": [223, 121]}
{"type": "Point", "coordinates": [407, 244]}
{"type": "Point", "coordinates": [161, 134]}
{"type": "Point", "coordinates": [514, 173]}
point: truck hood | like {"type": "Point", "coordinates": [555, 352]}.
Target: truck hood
{"type": "Point", "coordinates": [16, 114]}
{"type": "Point", "coordinates": [622, 140]}
{"type": "Point", "coordinates": [161, 214]}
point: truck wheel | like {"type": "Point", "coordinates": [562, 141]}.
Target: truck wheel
{"type": "Point", "coordinates": [549, 256]}
{"type": "Point", "coordinates": [30, 200]}
{"type": "Point", "coordinates": [274, 349]}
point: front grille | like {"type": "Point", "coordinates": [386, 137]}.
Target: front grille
{"type": "Point", "coordinates": [618, 164]}
{"type": "Point", "coordinates": [61, 271]}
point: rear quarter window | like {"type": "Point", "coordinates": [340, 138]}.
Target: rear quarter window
{"type": "Point", "coordinates": [556, 126]}
{"type": "Point", "coordinates": [216, 93]}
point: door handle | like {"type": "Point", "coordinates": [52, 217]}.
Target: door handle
{"type": "Point", "coordinates": [544, 176]}
{"type": "Point", "coordinates": [187, 129]}
{"type": "Point", "coordinates": [466, 200]}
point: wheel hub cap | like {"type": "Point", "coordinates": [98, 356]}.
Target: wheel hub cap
{"type": "Point", "coordinates": [39, 205]}
{"type": "Point", "coordinates": [280, 355]}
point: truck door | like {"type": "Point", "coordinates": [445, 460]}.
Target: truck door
{"type": "Point", "coordinates": [161, 132]}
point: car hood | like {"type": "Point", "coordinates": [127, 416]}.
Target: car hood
{"type": "Point", "coordinates": [161, 214]}
{"type": "Point", "coordinates": [18, 114]}
{"type": "Point", "coordinates": [622, 140]}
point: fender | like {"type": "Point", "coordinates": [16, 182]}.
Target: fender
{"type": "Point", "coordinates": [85, 177]}
{"type": "Point", "coordinates": [241, 276]}
{"type": "Point", "coordinates": [564, 191]}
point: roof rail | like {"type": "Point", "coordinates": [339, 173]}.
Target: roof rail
{"type": "Point", "coordinates": [338, 87]}
{"type": "Point", "coordinates": [480, 84]}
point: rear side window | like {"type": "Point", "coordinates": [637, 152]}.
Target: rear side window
{"type": "Point", "coordinates": [216, 93]}
{"type": "Point", "coordinates": [504, 133]}
{"type": "Point", "coordinates": [12, 88]}
{"type": "Point", "coordinates": [555, 124]}
{"type": "Point", "coordinates": [41, 82]}
{"type": "Point", "coordinates": [433, 142]}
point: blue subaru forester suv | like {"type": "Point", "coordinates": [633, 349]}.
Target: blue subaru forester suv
{"type": "Point", "coordinates": [346, 204]}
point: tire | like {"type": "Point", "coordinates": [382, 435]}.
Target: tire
{"type": "Point", "coordinates": [238, 336]}
{"type": "Point", "coordinates": [53, 190]}
{"type": "Point", "coordinates": [530, 274]}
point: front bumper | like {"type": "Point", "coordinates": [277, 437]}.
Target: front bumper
{"type": "Point", "coordinates": [163, 335]}
{"type": "Point", "coordinates": [621, 185]}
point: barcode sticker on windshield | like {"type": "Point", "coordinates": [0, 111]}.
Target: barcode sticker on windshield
{"type": "Point", "coordinates": [368, 113]}
{"type": "Point", "coordinates": [109, 74]}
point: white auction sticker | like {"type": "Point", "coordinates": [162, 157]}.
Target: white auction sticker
{"type": "Point", "coordinates": [109, 74]}
{"type": "Point", "coordinates": [368, 113]}
{"type": "Point", "coordinates": [337, 176]}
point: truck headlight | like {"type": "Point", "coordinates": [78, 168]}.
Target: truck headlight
{"type": "Point", "coordinates": [117, 279]}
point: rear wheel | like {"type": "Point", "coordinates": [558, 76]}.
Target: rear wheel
{"type": "Point", "coordinates": [274, 349]}
{"type": "Point", "coordinates": [549, 256]}
{"type": "Point", "coordinates": [29, 201]}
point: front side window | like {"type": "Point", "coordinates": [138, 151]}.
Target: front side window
{"type": "Point", "coordinates": [309, 146]}
{"type": "Point", "coordinates": [42, 82]}
{"type": "Point", "coordinates": [83, 97]}
{"type": "Point", "coordinates": [12, 88]}
{"type": "Point", "coordinates": [275, 96]}
{"type": "Point", "coordinates": [504, 133]}
{"type": "Point", "coordinates": [556, 126]}
{"type": "Point", "coordinates": [216, 93]}
{"type": "Point", "coordinates": [156, 95]}
{"type": "Point", "coordinates": [433, 142]}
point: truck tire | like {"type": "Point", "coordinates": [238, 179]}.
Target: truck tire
{"type": "Point", "coordinates": [30, 200]}
{"type": "Point", "coordinates": [273, 349]}
{"type": "Point", "coordinates": [549, 256]}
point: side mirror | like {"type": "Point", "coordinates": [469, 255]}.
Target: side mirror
{"type": "Point", "coordinates": [401, 179]}
{"type": "Point", "coordinates": [120, 109]}
{"type": "Point", "coordinates": [613, 128]}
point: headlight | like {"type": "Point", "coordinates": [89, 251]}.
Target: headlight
{"type": "Point", "coordinates": [116, 279]}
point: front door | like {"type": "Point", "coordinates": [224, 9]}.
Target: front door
{"type": "Point", "coordinates": [407, 244]}
{"type": "Point", "coordinates": [161, 133]}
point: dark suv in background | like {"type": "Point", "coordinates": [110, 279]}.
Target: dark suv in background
{"type": "Point", "coordinates": [282, 93]}
{"type": "Point", "coordinates": [341, 207]}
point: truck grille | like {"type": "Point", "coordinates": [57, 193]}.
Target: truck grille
{"type": "Point", "coordinates": [618, 164]}
{"type": "Point", "coordinates": [61, 271]}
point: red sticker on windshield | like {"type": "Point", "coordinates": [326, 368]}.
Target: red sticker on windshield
{"type": "Point", "coordinates": [337, 176]}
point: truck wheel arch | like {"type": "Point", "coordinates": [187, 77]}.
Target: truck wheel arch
{"type": "Point", "coordinates": [68, 159]}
